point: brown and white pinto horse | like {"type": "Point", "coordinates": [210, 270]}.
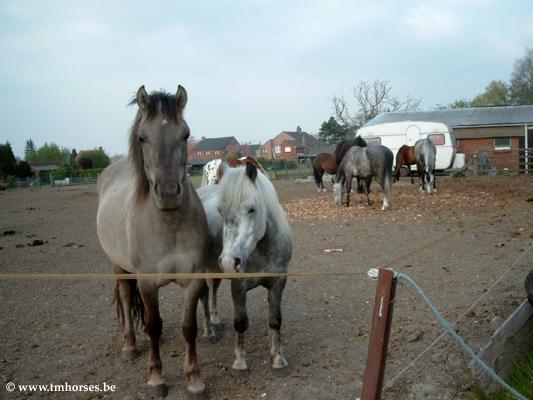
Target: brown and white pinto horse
{"type": "Point", "coordinates": [324, 162]}
{"type": "Point", "coordinates": [214, 169]}
{"type": "Point", "coordinates": [405, 156]}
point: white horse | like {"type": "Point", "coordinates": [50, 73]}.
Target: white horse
{"type": "Point", "coordinates": [212, 172]}
{"type": "Point", "coordinates": [425, 154]}
{"type": "Point", "coordinates": [248, 232]}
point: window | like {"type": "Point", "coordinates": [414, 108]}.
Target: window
{"type": "Point", "coordinates": [263, 151]}
{"type": "Point", "coordinates": [437, 139]}
{"type": "Point", "coordinates": [372, 141]}
{"type": "Point", "coordinates": [287, 149]}
{"type": "Point", "coordinates": [502, 143]}
{"type": "Point", "coordinates": [207, 153]}
{"type": "Point", "coordinates": [198, 154]}
{"type": "Point", "coordinates": [277, 149]}
{"type": "Point", "coordinates": [217, 152]}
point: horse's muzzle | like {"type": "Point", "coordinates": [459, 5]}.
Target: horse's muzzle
{"type": "Point", "coordinates": [168, 196]}
{"type": "Point", "coordinates": [230, 264]}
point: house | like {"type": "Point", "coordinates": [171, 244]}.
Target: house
{"type": "Point", "coordinates": [497, 134]}
{"type": "Point", "coordinates": [42, 172]}
{"type": "Point", "coordinates": [209, 149]}
{"type": "Point", "coordinates": [297, 146]}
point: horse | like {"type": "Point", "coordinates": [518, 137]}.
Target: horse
{"type": "Point", "coordinates": [405, 156]}
{"type": "Point", "coordinates": [214, 169]}
{"type": "Point", "coordinates": [343, 147]}
{"type": "Point", "coordinates": [425, 153]}
{"type": "Point", "coordinates": [249, 232]}
{"type": "Point", "coordinates": [365, 163]}
{"type": "Point", "coordinates": [324, 162]}
{"type": "Point", "coordinates": [151, 220]}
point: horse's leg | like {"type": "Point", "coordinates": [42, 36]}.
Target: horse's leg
{"type": "Point", "coordinates": [125, 297]}
{"type": "Point", "coordinates": [410, 173]}
{"type": "Point", "coordinates": [153, 327]}
{"type": "Point", "coordinates": [420, 172]}
{"type": "Point", "coordinates": [240, 322]}
{"type": "Point", "coordinates": [348, 188]}
{"type": "Point", "coordinates": [205, 298]}
{"type": "Point", "coordinates": [366, 186]}
{"type": "Point", "coordinates": [275, 291]}
{"type": "Point", "coordinates": [197, 288]}
{"type": "Point", "coordinates": [213, 288]}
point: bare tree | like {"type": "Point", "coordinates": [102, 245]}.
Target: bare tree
{"type": "Point", "coordinates": [371, 98]}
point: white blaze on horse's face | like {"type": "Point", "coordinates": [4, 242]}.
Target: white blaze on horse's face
{"type": "Point", "coordinates": [244, 226]}
{"type": "Point", "coordinates": [164, 147]}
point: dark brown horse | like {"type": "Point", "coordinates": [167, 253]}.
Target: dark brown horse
{"type": "Point", "coordinates": [236, 162]}
{"type": "Point", "coordinates": [324, 162]}
{"type": "Point", "coordinates": [341, 150]}
{"type": "Point", "coordinates": [405, 156]}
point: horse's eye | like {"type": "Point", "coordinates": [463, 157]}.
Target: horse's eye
{"type": "Point", "coordinates": [187, 136]}
{"type": "Point", "coordinates": [251, 210]}
{"type": "Point", "coordinates": [142, 139]}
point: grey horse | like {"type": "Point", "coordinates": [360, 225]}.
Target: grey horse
{"type": "Point", "coordinates": [150, 220]}
{"type": "Point", "coordinates": [365, 163]}
{"type": "Point", "coordinates": [425, 153]}
{"type": "Point", "coordinates": [249, 232]}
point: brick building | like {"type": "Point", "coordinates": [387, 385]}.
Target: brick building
{"type": "Point", "coordinates": [497, 134]}
{"type": "Point", "coordinates": [294, 146]}
{"type": "Point", "coordinates": [209, 149]}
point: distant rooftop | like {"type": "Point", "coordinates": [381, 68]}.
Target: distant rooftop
{"type": "Point", "coordinates": [215, 143]}
{"type": "Point", "coordinates": [463, 117]}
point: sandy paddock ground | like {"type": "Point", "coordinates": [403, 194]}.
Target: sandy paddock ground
{"type": "Point", "coordinates": [66, 331]}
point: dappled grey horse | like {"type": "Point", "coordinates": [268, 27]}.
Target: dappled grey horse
{"type": "Point", "coordinates": [425, 154]}
{"type": "Point", "coordinates": [249, 232]}
{"type": "Point", "coordinates": [150, 220]}
{"type": "Point", "coordinates": [365, 163]}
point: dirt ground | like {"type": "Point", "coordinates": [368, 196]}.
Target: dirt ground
{"type": "Point", "coordinates": [66, 331]}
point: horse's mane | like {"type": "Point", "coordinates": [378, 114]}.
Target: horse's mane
{"type": "Point", "coordinates": [236, 187]}
{"type": "Point", "coordinates": [342, 147]}
{"type": "Point", "coordinates": [157, 102]}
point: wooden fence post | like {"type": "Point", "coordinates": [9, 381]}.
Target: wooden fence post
{"type": "Point", "coordinates": [378, 342]}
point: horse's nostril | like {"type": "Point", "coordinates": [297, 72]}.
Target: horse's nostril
{"type": "Point", "coordinates": [180, 188]}
{"type": "Point", "coordinates": [237, 262]}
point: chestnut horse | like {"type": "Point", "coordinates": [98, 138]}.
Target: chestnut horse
{"type": "Point", "coordinates": [405, 156]}
{"type": "Point", "coordinates": [324, 162]}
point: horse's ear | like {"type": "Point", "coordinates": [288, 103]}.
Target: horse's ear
{"type": "Point", "coordinates": [181, 98]}
{"type": "Point", "coordinates": [142, 98]}
{"type": "Point", "coordinates": [251, 171]}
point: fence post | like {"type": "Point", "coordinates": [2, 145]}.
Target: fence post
{"type": "Point", "coordinates": [378, 341]}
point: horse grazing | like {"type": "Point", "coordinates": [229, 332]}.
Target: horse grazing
{"type": "Point", "coordinates": [249, 232]}
{"type": "Point", "coordinates": [425, 153]}
{"type": "Point", "coordinates": [214, 169]}
{"type": "Point", "coordinates": [150, 220]}
{"type": "Point", "coordinates": [324, 162]}
{"type": "Point", "coordinates": [365, 163]}
{"type": "Point", "coordinates": [405, 156]}
{"type": "Point", "coordinates": [343, 147]}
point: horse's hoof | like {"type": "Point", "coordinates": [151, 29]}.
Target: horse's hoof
{"type": "Point", "coordinates": [240, 373]}
{"type": "Point", "coordinates": [129, 355]}
{"type": "Point", "coordinates": [204, 395]}
{"type": "Point", "coordinates": [159, 391]}
{"type": "Point", "coordinates": [282, 372]}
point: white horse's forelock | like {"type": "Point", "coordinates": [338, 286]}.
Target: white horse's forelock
{"type": "Point", "coordinates": [237, 187]}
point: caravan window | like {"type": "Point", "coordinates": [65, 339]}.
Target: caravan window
{"type": "Point", "coordinates": [372, 141]}
{"type": "Point", "coordinates": [437, 139]}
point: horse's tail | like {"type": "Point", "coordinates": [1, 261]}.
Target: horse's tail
{"type": "Point", "coordinates": [317, 174]}
{"type": "Point", "coordinates": [387, 177]}
{"type": "Point", "coordinates": [137, 305]}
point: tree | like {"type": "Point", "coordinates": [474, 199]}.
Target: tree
{"type": "Point", "coordinates": [521, 85]}
{"type": "Point", "coordinates": [23, 170]}
{"type": "Point", "coordinates": [49, 154]}
{"type": "Point", "coordinates": [72, 159]}
{"type": "Point", "coordinates": [496, 94]}
{"type": "Point", "coordinates": [371, 99]}
{"type": "Point", "coordinates": [8, 162]}
{"type": "Point", "coordinates": [331, 131]}
{"type": "Point", "coordinates": [30, 149]}
{"type": "Point", "coordinates": [93, 159]}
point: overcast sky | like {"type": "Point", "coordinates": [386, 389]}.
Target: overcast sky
{"type": "Point", "coordinates": [251, 68]}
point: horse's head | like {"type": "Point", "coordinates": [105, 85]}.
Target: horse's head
{"type": "Point", "coordinates": [158, 147]}
{"type": "Point", "coordinates": [244, 212]}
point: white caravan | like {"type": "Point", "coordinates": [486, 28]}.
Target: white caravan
{"type": "Point", "coordinates": [395, 134]}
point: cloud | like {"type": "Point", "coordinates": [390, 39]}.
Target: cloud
{"type": "Point", "coordinates": [431, 22]}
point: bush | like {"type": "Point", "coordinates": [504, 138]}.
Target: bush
{"type": "Point", "coordinates": [457, 174]}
